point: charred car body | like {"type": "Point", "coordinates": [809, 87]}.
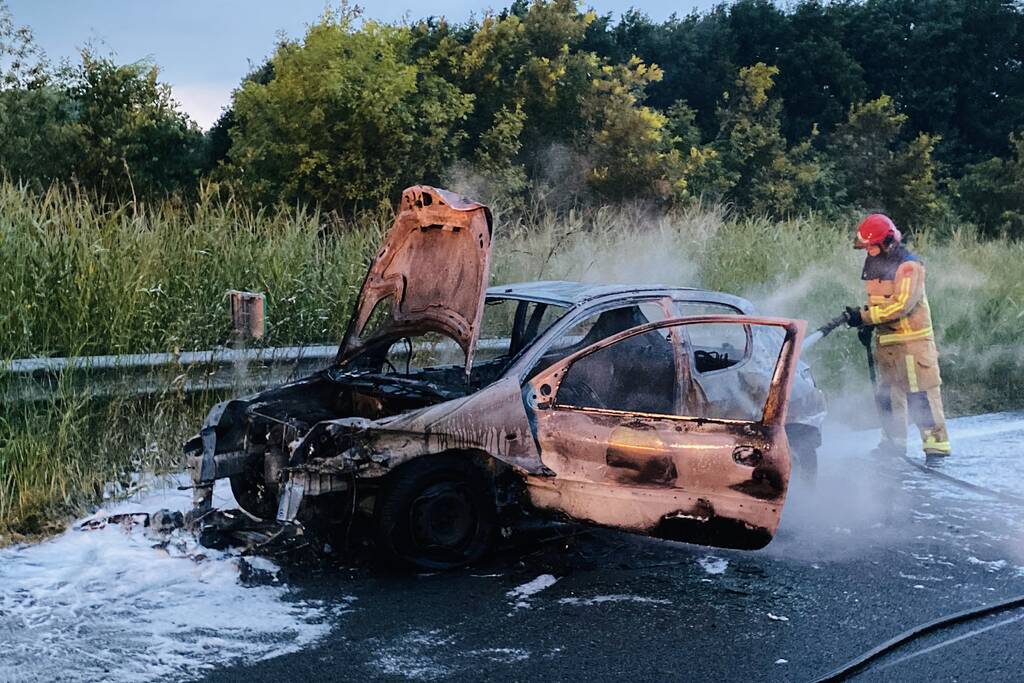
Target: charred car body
{"type": "Point", "coordinates": [452, 409]}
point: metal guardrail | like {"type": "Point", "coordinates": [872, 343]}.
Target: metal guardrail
{"type": "Point", "coordinates": [241, 370]}
{"type": "Point", "coordinates": [33, 379]}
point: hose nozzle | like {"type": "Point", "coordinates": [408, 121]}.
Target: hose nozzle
{"type": "Point", "coordinates": [835, 322]}
{"type": "Point", "coordinates": [824, 330]}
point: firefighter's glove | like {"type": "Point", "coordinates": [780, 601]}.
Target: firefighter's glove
{"type": "Point", "coordinates": [853, 317]}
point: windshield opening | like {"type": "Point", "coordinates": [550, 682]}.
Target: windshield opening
{"type": "Point", "coordinates": [507, 326]}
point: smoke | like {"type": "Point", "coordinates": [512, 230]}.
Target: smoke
{"type": "Point", "coordinates": [465, 179]}
{"type": "Point", "coordinates": [556, 180]}
{"type": "Point", "coordinates": [855, 504]}
{"type": "Point", "coordinates": [636, 244]}
{"type": "Point", "coordinates": [789, 295]}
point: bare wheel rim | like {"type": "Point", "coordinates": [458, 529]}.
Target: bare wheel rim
{"type": "Point", "coordinates": [443, 519]}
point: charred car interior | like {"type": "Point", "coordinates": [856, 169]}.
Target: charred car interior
{"type": "Point", "coordinates": [453, 411]}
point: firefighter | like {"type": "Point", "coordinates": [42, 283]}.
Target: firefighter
{"type": "Point", "coordinates": [905, 354]}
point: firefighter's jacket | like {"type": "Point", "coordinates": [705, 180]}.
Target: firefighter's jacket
{"type": "Point", "coordinates": [897, 305]}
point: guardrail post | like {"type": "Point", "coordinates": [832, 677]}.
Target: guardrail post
{"type": "Point", "coordinates": [247, 316]}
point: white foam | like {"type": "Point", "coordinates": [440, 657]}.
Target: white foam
{"type": "Point", "coordinates": [108, 605]}
{"type": "Point", "coordinates": [601, 599]}
{"type": "Point", "coordinates": [414, 656]}
{"type": "Point", "coordinates": [533, 587]}
{"type": "Point", "coordinates": [993, 566]}
{"type": "Point", "coordinates": [502, 655]}
{"type": "Point", "coordinates": [521, 594]}
{"type": "Point", "coordinates": [713, 565]}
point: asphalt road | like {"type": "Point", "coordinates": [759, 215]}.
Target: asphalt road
{"type": "Point", "coordinates": [869, 551]}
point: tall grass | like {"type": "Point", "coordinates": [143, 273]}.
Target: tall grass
{"type": "Point", "coordinates": [81, 279]}
{"type": "Point", "coordinates": [58, 456]}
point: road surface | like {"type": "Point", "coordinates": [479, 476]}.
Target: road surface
{"type": "Point", "coordinates": [869, 551]}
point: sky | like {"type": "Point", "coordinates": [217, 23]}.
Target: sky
{"type": "Point", "coordinates": [205, 47]}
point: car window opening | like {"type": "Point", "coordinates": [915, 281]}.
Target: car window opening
{"type": "Point", "coordinates": [638, 374]}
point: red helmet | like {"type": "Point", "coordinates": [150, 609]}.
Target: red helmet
{"type": "Point", "coordinates": [875, 231]}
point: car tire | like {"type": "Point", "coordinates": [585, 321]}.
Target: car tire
{"type": "Point", "coordinates": [804, 441]}
{"type": "Point", "coordinates": [435, 512]}
{"type": "Point", "coordinates": [805, 461]}
{"type": "Point", "coordinates": [254, 495]}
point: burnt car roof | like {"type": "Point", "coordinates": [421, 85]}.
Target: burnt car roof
{"type": "Point", "coordinates": [568, 293]}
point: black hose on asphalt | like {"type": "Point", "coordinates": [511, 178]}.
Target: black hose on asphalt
{"type": "Point", "coordinates": [1006, 497]}
{"type": "Point", "coordinates": [855, 665]}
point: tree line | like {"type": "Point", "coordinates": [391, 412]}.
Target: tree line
{"type": "Point", "coordinates": [915, 107]}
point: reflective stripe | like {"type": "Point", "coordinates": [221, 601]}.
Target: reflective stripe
{"type": "Point", "coordinates": [901, 300]}
{"type": "Point", "coordinates": [911, 373]}
{"type": "Point", "coordinates": [895, 337]}
{"type": "Point", "coordinates": [931, 444]}
{"type": "Point", "coordinates": [878, 312]}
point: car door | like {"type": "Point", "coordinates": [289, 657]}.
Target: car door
{"type": "Point", "coordinates": [635, 443]}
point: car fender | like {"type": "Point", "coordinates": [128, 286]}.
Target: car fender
{"type": "Point", "coordinates": [491, 421]}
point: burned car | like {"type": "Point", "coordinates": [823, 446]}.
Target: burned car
{"type": "Point", "coordinates": [453, 410]}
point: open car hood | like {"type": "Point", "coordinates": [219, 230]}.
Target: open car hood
{"type": "Point", "coordinates": [429, 276]}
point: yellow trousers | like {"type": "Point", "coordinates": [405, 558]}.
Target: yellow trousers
{"type": "Point", "coordinates": [908, 374]}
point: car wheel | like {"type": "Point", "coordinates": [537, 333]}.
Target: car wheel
{"type": "Point", "coordinates": [435, 512]}
{"type": "Point", "coordinates": [805, 460]}
{"type": "Point", "coordinates": [253, 494]}
{"type": "Point", "coordinates": [804, 442]}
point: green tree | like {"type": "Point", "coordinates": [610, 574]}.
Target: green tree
{"type": "Point", "coordinates": [819, 79]}
{"type": "Point", "coordinates": [22, 61]}
{"type": "Point", "coordinates": [348, 118]}
{"type": "Point", "coordinates": [991, 193]}
{"type": "Point", "coordinates": [38, 143]}
{"type": "Point", "coordinates": [35, 112]}
{"type": "Point", "coordinates": [531, 56]}
{"type": "Point", "coordinates": [879, 170]}
{"type": "Point", "coordinates": [132, 139]}
{"type": "Point", "coordinates": [498, 150]}
{"type": "Point", "coordinates": [631, 152]}
{"type": "Point", "coordinates": [696, 53]}
{"type": "Point", "coordinates": [567, 97]}
{"type": "Point", "coordinates": [700, 165]}
{"type": "Point", "coordinates": [112, 128]}
{"type": "Point", "coordinates": [954, 66]}
{"type": "Point", "coordinates": [761, 174]}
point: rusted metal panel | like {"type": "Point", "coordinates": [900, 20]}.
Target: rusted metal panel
{"type": "Point", "coordinates": [429, 276]}
{"type": "Point", "coordinates": [689, 478]}
{"type": "Point", "coordinates": [492, 422]}
{"type": "Point", "coordinates": [247, 315]}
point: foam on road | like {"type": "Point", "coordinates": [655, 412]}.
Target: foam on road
{"type": "Point", "coordinates": [108, 605]}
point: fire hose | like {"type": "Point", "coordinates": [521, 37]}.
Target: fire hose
{"type": "Point", "coordinates": [855, 665]}
{"type": "Point", "coordinates": [864, 334]}
{"type": "Point", "coordinates": [824, 330]}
